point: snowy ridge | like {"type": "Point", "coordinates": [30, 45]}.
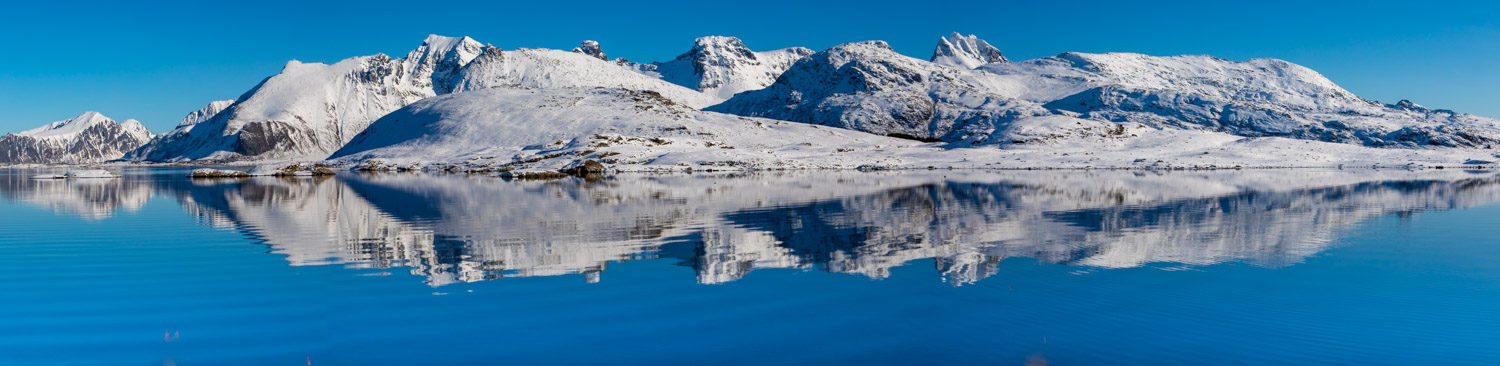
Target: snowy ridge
{"type": "Point", "coordinates": [965, 51]}
{"type": "Point", "coordinates": [88, 138]}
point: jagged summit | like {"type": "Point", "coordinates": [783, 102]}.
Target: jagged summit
{"type": "Point", "coordinates": [88, 138]}
{"type": "Point", "coordinates": [965, 51]}
{"type": "Point", "coordinates": [591, 48]}
{"type": "Point", "coordinates": [723, 66]}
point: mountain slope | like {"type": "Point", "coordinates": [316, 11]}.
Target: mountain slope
{"type": "Point", "coordinates": [88, 138]}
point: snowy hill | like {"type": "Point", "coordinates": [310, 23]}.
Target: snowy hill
{"type": "Point", "coordinates": [524, 128]}
{"type": "Point", "coordinates": [867, 86]}
{"type": "Point", "coordinates": [88, 138]}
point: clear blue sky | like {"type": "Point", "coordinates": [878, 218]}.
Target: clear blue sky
{"type": "Point", "coordinates": [157, 62]}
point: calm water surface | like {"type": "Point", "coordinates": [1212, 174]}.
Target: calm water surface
{"type": "Point", "coordinates": [1256, 267]}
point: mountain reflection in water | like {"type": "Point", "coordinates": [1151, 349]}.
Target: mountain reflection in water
{"type": "Point", "coordinates": [457, 228]}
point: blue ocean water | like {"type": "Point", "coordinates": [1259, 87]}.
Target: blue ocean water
{"type": "Point", "coordinates": [1260, 267]}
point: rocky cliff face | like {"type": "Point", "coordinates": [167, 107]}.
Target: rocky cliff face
{"type": "Point", "coordinates": [88, 138]}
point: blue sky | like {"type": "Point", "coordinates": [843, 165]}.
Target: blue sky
{"type": "Point", "coordinates": [157, 62]}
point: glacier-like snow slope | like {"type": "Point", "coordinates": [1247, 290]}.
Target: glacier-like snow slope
{"type": "Point", "coordinates": [526, 128]}
{"type": "Point", "coordinates": [88, 138]}
{"type": "Point", "coordinates": [869, 87]}
{"type": "Point", "coordinates": [965, 51]}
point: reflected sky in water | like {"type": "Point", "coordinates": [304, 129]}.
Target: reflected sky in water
{"type": "Point", "coordinates": [1280, 266]}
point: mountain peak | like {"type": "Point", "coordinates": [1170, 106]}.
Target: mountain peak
{"type": "Point", "coordinates": [722, 66]}
{"type": "Point", "coordinates": [591, 48]}
{"type": "Point", "coordinates": [965, 51]}
{"type": "Point", "coordinates": [446, 42]}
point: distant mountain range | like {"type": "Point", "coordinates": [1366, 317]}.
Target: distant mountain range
{"type": "Point", "coordinates": [456, 103]}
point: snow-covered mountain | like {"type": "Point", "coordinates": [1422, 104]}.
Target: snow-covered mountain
{"type": "Point", "coordinates": [867, 86]}
{"type": "Point", "coordinates": [722, 66]}
{"type": "Point", "coordinates": [311, 109]}
{"type": "Point", "coordinates": [965, 51]}
{"type": "Point", "coordinates": [88, 138]}
{"type": "Point", "coordinates": [968, 94]}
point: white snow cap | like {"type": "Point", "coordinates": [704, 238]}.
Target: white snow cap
{"type": "Point", "coordinates": [965, 51]}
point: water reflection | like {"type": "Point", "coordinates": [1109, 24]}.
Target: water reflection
{"type": "Point", "coordinates": [90, 199]}
{"type": "Point", "coordinates": [456, 228]}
